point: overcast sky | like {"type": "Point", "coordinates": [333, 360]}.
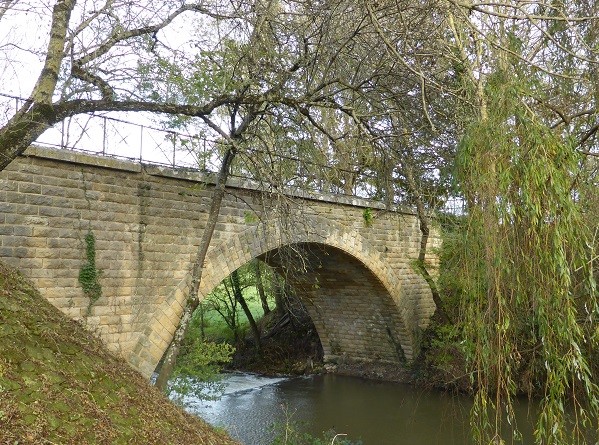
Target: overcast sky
{"type": "Point", "coordinates": [23, 35]}
{"type": "Point", "coordinates": [24, 31]}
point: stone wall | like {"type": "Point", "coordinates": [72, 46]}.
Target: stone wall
{"type": "Point", "coordinates": [147, 221]}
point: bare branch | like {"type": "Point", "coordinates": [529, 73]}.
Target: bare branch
{"type": "Point", "coordinates": [593, 130]}
{"type": "Point", "coordinates": [5, 5]}
{"type": "Point", "coordinates": [106, 90]}
{"type": "Point", "coordinates": [498, 6]}
{"type": "Point", "coordinates": [120, 36]}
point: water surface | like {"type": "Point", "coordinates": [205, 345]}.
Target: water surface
{"type": "Point", "coordinates": [378, 413]}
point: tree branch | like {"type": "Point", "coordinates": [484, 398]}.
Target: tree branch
{"type": "Point", "coordinates": [46, 82]}
{"type": "Point", "coordinates": [586, 137]}
{"type": "Point", "coordinates": [480, 7]}
{"type": "Point", "coordinates": [106, 90]}
{"type": "Point", "coordinates": [5, 5]}
{"type": "Point", "coordinates": [118, 37]}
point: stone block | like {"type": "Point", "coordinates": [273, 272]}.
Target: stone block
{"type": "Point", "coordinates": [75, 313]}
{"type": "Point", "coordinates": [62, 212]}
{"type": "Point", "coordinates": [8, 185]}
{"type": "Point", "coordinates": [66, 243]}
{"type": "Point", "coordinates": [31, 263]}
{"type": "Point", "coordinates": [103, 310]}
{"type": "Point", "coordinates": [12, 198]}
{"type": "Point", "coordinates": [160, 340]}
{"type": "Point", "coordinates": [111, 320]}
{"type": "Point", "coordinates": [40, 200]}
{"type": "Point", "coordinates": [24, 231]}
{"type": "Point", "coordinates": [19, 177]}
{"type": "Point", "coordinates": [29, 187]}
{"type": "Point", "coordinates": [7, 207]}
{"type": "Point", "coordinates": [14, 241]}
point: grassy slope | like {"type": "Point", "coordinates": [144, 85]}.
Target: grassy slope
{"type": "Point", "coordinates": [59, 385]}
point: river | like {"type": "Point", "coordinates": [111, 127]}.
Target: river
{"type": "Point", "coordinates": [377, 413]}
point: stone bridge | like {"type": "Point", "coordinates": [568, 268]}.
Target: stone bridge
{"type": "Point", "coordinates": [356, 280]}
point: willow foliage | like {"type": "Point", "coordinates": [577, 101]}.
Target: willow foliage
{"type": "Point", "coordinates": [530, 308]}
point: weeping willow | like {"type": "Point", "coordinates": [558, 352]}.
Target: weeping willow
{"type": "Point", "coordinates": [530, 306]}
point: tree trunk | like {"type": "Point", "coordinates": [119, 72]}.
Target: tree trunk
{"type": "Point", "coordinates": [279, 295]}
{"type": "Point", "coordinates": [198, 267]}
{"type": "Point", "coordinates": [37, 113]}
{"type": "Point", "coordinates": [22, 130]}
{"type": "Point", "coordinates": [239, 297]}
{"type": "Point", "coordinates": [202, 327]}
{"type": "Point", "coordinates": [425, 231]}
{"type": "Point", "coordinates": [260, 287]}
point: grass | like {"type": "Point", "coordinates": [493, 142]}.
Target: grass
{"type": "Point", "coordinates": [58, 384]}
{"type": "Point", "coordinates": [215, 328]}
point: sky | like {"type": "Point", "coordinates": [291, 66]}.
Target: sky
{"type": "Point", "coordinates": [24, 33]}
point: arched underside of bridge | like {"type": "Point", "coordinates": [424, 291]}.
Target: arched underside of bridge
{"type": "Point", "coordinates": [354, 315]}
{"type": "Point", "coordinates": [354, 298]}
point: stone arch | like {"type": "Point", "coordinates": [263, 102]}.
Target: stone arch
{"type": "Point", "coordinates": [355, 317]}
{"type": "Point", "coordinates": [236, 250]}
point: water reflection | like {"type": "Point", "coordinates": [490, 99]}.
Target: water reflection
{"type": "Point", "coordinates": [379, 413]}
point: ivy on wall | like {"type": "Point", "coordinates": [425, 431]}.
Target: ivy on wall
{"type": "Point", "coordinates": [368, 216]}
{"type": "Point", "coordinates": [89, 274]}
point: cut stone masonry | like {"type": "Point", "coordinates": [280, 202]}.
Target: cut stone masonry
{"type": "Point", "coordinates": [359, 284]}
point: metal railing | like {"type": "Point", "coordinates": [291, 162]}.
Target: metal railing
{"type": "Point", "coordinates": [144, 142]}
{"type": "Point", "coordinates": [107, 135]}
{"type": "Point", "coordinates": [137, 139]}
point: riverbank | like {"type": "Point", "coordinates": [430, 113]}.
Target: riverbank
{"type": "Point", "coordinates": [290, 346]}
{"type": "Point", "coordinates": [58, 384]}
{"type": "Point", "coordinates": [293, 348]}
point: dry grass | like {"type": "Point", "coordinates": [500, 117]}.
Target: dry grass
{"type": "Point", "coordinates": [59, 385]}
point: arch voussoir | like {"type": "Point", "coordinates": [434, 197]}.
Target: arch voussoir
{"type": "Point", "coordinates": [255, 241]}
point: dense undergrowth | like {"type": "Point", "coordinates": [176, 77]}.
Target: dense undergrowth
{"type": "Point", "coordinates": [444, 362]}
{"type": "Point", "coordinates": [289, 342]}
{"type": "Point", "coordinates": [294, 349]}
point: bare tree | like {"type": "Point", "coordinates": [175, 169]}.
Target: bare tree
{"type": "Point", "coordinates": [91, 64]}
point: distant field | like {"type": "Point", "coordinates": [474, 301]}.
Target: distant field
{"type": "Point", "coordinates": [215, 328]}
